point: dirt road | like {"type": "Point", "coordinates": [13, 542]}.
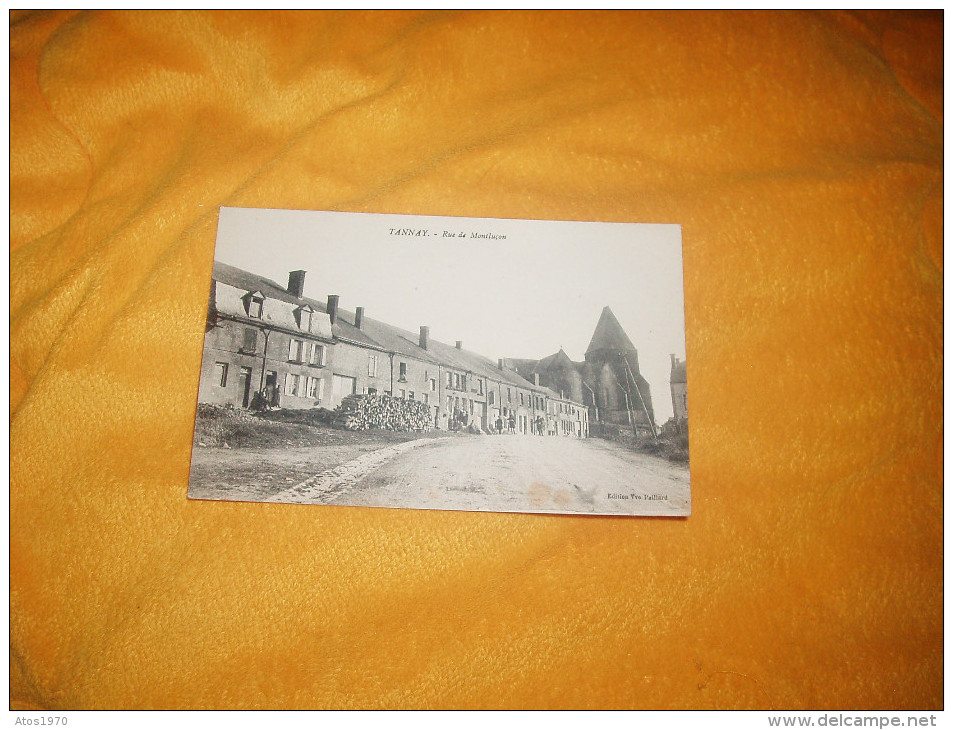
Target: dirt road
{"type": "Point", "coordinates": [504, 473]}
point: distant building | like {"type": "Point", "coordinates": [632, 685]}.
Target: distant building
{"type": "Point", "coordinates": [678, 381]}
{"type": "Point", "coordinates": [608, 381]}
{"type": "Point", "coordinates": [268, 345]}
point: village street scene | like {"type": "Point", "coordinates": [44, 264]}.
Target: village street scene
{"type": "Point", "coordinates": [302, 400]}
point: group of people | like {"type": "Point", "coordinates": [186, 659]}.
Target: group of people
{"type": "Point", "coordinates": [267, 399]}
{"type": "Point", "coordinates": [500, 423]}
{"type": "Point", "coordinates": [510, 425]}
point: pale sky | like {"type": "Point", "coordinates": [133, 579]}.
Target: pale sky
{"type": "Point", "coordinates": [542, 287]}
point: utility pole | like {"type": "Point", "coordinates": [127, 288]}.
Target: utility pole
{"type": "Point", "coordinates": [264, 362]}
{"type": "Point", "coordinates": [645, 410]}
{"type": "Point", "coordinates": [595, 406]}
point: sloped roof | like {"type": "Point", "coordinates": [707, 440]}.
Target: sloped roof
{"type": "Point", "coordinates": [376, 334]}
{"type": "Point", "coordinates": [609, 334]}
{"type": "Point", "coordinates": [251, 282]}
{"type": "Point", "coordinates": [559, 359]}
{"type": "Point", "coordinates": [390, 338]}
{"type": "Point", "coordinates": [240, 279]}
{"type": "Point", "coordinates": [526, 367]}
{"type": "Point", "coordinates": [523, 366]}
{"type": "Point", "coordinates": [478, 365]}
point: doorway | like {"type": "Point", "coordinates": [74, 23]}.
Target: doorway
{"type": "Point", "coordinates": [244, 385]}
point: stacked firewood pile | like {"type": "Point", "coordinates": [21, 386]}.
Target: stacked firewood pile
{"type": "Point", "coordinates": [361, 412]}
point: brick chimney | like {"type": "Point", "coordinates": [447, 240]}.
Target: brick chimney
{"type": "Point", "coordinates": [333, 307]}
{"type": "Point", "coordinates": [535, 378]}
{"type": "Point", "coordinates": [296, 283]}
{"type": "Point", "coordinates": [500, 363]}
{"type": "Point", "coordinates": [358, 317]}
{"type": "Point", "coordinates": [424, 337]}
{"type": "Point", "coordinates": [459, 344]}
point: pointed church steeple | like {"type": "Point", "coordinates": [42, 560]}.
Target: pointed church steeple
{"type": "Point", "coordinates": [609, 335]}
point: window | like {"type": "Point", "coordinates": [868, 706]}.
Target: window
{"type": "Point", "coordinates": [372, 391]}
{"type": "Point", "coordinates": [492, 397]}
{"type": "Point", "coordinates": [221, 374]}
{"type": "Point", "coordinates": [250, 340]}
{"type": "Point", "coordinates": [403, 371]}
{"type": "Point", "coordinates": [463, 382]}
{"type": "Point", "coordinates": [509, 395]}
{"type": "Point", "coordinates": [403, 392]}
{"type": "Point", "coordinates": [480, 385]}
{"type": "Point", "coordinates": [372, 365]}
{"type": "Point", "coordinates": [449, 402]}
{"type": "Point", "coordinates": [295, 350]}
{"type": "Point", "coordinates": [254, 304]}
{"type": "Point", "coordinates": [317, 354]}
{"type": "Point", "coordinates": [521, 399]}
{"type": "Point", "coordinates": [291, 384]}
{"type": "Point", "coordinates": [411, 395]}
{"type": "Point", "coordinates": [433, 385]}
{"type": "Point", "coordinates": [313, 387]}
{"type": "Point", "coordinates": [449, 380]}
{"type": "Point", "coordinates": [303, 316]}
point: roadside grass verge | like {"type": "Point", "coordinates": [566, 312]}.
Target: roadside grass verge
{"type": "Point", "coordinates": [235, 428]}
{"type": "Point", "coordinates": [670, 446]}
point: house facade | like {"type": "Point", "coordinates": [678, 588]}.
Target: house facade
{"type": "Point", "coordinates": [270, 345]}
{"type": "Point", "coordinates": [678, 381]}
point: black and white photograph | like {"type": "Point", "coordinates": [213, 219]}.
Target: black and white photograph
{"type": "Point", "coordinates": [444, 363]}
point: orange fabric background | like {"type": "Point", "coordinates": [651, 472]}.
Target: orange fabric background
{"type": "Point", "coordinates": [801, 152]}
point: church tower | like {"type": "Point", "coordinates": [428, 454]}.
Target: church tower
{"type": "Point", "coordinates": [611, 372]}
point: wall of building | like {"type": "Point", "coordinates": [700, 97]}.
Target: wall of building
{"type": "Point", "coordinates": [228, 345]}
{"type": "Point", "coordinates": [236, 359]}
{"type": "Point", "coordinates": [415, 383]}
{"type": "Point", "coordinates": [563, 377]}
{"type": "Point", "coordinates": [680, 400]}
{"type": "Point", "coordinates": [352, 361]}
{"type": "Point", "coordinates": [610, 394]}
{"type": "Point", "coordinates": [566, 418]}
{"type": "Point", "coordinates": [466, 391]}
{"type": "Point", "coordinates": [519, 402]}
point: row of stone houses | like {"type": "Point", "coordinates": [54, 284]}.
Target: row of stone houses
{"type": "Point", "coordinates": [273, 345]}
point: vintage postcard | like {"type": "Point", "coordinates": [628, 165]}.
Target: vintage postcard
{"type": "Point", "coordinates": [444, 363]}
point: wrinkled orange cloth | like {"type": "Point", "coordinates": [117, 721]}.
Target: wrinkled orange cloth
{"type": "Point", "coordinates": [801, 152]}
